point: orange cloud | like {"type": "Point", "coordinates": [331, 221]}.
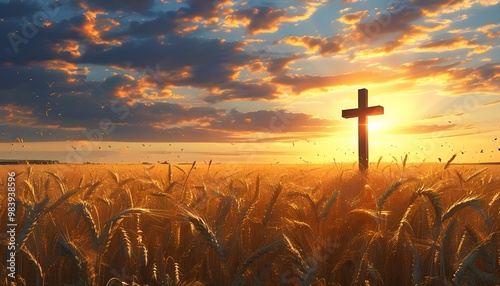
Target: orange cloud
{"type": "Point", "coordinates": [67, 46]}
{"type": "Point", "coordinates": [490, 103]}
{"type": "Point", "coordinates": [325, 46]}
{"type": "Point", "coordinates": [422, 129]}
{"type": "Point", "coordinates": [353, 18]}
{"type": "Point", "coordinates": [301, 83]}
{"type": "Point", "coordinates": [258, 20]}
{"type": "Point", "coordinates": [455, 43]}
{"type": "Point", "coordinates": [94, 26]}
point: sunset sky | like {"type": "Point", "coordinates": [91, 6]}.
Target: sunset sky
{"type": "Point", "coordinates": [248, 81]}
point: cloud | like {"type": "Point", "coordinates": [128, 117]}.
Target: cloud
{"type": "Point", "coordinates": [421, 129]}
{"type": "Point", "coordinates": [445, 116]}
{"type": "Point", "coordinates": [455, 43]}
{"type": "Point", "coordinates": [427, 68]}
{"type": "Point", "coordinates": [243, 90]}
{"type": "Point", "coordinates": [117, 5]}
{"type": "Point", "coordinates": [491, 103]}
{"type": "Point", "coordinates": [485, 78]}
{"type": "Point", "coordinates": [18, 9]}
{"type": "Point", "coordinates": [266, 19]}
{"type": "Point", "coordinates": [181, 61]}
{"type": "Point", "coordinates": [279, 65]}
{"type": "Point", "coordinates": [278, 121]}
{"type": "Point", "coordinates": [353, 18]}
{"type": "Point", "coordinates": [325, 46]}
{"type": "Point", "coordinates": [302, 83]}
{"type": "Point", "coordinates": [181, 21]}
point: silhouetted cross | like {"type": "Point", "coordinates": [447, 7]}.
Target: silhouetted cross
{"type": "Point", "coordinates": [362, 113]}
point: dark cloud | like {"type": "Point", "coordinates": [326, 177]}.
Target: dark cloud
{"type": "Point", "coordinates": [272, 121]}
{"type": "Point", "coordinates": [173, 22]}
{"type": "Point", "coordinates": [261, 19]}
{"type": "Point", "coordinates": [18, 9]}
{"type": "Point", "coordinates": [243, 90]}
{"type": "Point", "coordinates": [301, 83]}
{"type": "Point", "coordinates": [279, 65]}
{"type": "Point", "coordinates": [119, 5]}
{"type": "Point", "coordinates": [174, 57]}
{"type": "Point", "coordinates": [325, 46]}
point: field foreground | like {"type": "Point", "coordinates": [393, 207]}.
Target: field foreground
{"type": "Point", "coordinates": [253, 225]}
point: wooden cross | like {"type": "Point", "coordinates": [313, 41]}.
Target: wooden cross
{"type": "Point", "coordinates": [362, 113]}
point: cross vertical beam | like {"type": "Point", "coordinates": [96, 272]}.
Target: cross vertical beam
{"type": "Point", "coordinates": [362, 112]}
{"type": "Point", "coordinates": [363, 130]}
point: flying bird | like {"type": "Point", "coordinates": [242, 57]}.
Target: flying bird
{"type": "Point", "coordinates": [47, 111]}
{"type": "Point", "coordinates": [48, 84]}
{"type": "Point", "coordinates": [439, 159]}
{"type": "Point", "coordinates": [20, 140]}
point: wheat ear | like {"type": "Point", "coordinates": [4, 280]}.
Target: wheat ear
{"type": "Point", "coordinates": [274, 199]}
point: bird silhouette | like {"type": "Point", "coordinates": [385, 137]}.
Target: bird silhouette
{"type": "Point", "coordinates": [48, 84]}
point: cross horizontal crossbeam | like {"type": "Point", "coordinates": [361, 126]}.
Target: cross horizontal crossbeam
{"type": "Point", "coordinates": [356, 112]}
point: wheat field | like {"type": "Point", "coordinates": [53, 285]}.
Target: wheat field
{"type": "Point", "coordinates": [202, 224]}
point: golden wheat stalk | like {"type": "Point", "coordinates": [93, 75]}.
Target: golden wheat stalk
{"type": "Point", "coordinates": [450, 161]}
{"type": "Point", "coordinates": [328, 205]}
{"type": "Point", "coordinates": [274, 199]}
{"type": "Point", "coordinates": [204, 229]}
{"type": "Point", "coordinates": [269, 248]}
{"type": "Point", "coordinates": [185, 181]}
{"type": "Point", "coordinates": [388, 193]}
{"type": "Point", "coordinates": [59, 181]}
{"type": "Point", "coordinates": [473, 202]}
{"type": "Point", "coordinates": [85, 269]}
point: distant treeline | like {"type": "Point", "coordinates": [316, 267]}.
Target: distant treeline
{"type": "Point", "coordinates": [18, 162]}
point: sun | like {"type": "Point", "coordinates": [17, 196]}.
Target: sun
{"type": "Point", "coordinates": [375, 125]}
